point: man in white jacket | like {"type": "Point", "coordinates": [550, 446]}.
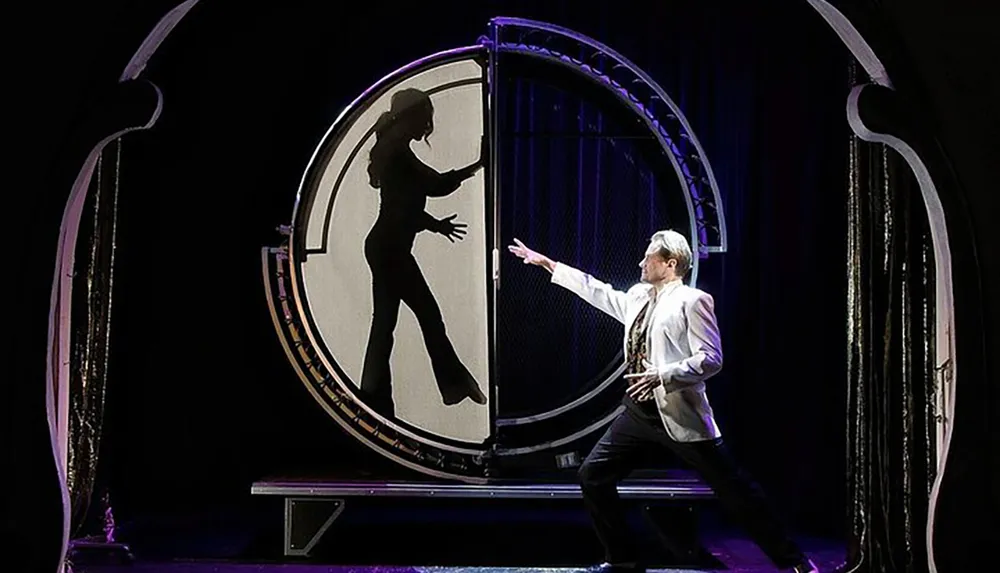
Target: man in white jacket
{"type": "Point", "coordinates": [672, 346]}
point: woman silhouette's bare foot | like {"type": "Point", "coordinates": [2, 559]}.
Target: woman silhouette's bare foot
{"type": "Point", "coordinates": [475, 394]}
{"type": "Point", "coordinates": [465, 387]}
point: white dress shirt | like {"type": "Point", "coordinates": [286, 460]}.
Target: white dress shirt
{"type": "Point", "coordinates": [682, 340]}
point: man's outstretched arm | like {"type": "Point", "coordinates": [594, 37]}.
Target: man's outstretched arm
{"type": "Point", "coordinates": [600, 295]}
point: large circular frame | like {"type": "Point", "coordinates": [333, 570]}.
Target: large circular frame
{"type": "Point", "coordinates": [635, 93]}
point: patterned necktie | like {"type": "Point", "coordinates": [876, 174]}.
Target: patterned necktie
{"type": "Point", "coordinates": [637, 342]}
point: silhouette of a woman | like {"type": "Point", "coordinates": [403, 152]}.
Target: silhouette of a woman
{"type": "Point", "coordinates": [405, 183]}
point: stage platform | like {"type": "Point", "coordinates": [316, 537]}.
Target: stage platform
{"type": "Point", "coordinates": [673, 484]}
{"type": "Point", "coordinates": [667, 500]}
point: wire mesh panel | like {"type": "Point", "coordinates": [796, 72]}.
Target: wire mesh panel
{"type": "Point", "coordinates": [586, 184]}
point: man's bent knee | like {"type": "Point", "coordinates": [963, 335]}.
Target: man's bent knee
{"type": "Point", "coordinates": [592, 474]}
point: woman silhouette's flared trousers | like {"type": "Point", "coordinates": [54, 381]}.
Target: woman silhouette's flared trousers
{"type": "Point", "coordinates": [397, 278]}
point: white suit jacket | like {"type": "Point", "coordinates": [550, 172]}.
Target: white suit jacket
{"type": "Point", "coordinates": [683, 344]}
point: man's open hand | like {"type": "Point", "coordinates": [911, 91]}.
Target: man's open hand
{"type": "Point", "coordinates": [531, 257]}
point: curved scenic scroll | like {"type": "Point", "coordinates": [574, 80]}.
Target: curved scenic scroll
{"type": "Point", "coordinates": [944, 313]}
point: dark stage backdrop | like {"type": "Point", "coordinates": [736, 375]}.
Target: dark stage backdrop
{"type": "Point", "coordinates": [201, 398]}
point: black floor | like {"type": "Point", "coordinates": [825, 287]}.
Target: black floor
{"type": "Point", "coordinates": [434, 537]}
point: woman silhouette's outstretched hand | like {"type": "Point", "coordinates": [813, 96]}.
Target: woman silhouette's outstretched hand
{"type": "Point", "coordinates": [453, 231]}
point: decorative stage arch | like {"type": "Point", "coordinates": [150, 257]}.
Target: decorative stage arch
{"type": "Point", "coordinates": [633, 89]}
{"type": "Point", "coordinates": [323, 283]}
{"type": "Point", "coordinates": [944, 312]}
{"type": "Point", "coordinates": [133, 104]}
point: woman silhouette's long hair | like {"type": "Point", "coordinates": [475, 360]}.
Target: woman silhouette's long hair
{"type": "Point", "coordinates": [405, 183]}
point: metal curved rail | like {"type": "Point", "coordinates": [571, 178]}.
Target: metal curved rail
{"type": "Point", "coordinates": [414, 453]}
{"type": "Point", "coordinates": [582, 399]}
{"type": "Point", "coordinates": [640, 91]}
{"type": "Point", "coordinates": [568, 439]}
